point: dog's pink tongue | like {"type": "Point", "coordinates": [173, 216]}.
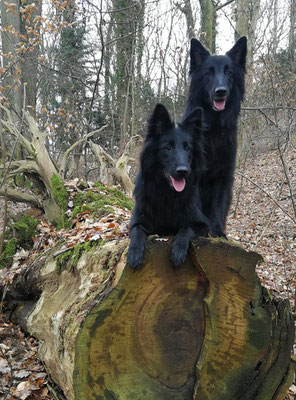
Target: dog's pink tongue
{"type": "Point", "coordinates": [219, 104]}
{"type": "Point", "coordinates": [178, 184]}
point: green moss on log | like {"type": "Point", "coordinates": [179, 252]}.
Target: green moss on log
{"type": "Point", "coordinates": [100, 203]}
{"type": "Point", "coordinates": [8, 252]}
{"type": "Point", "coordinates": [116, 197]}
{"type": "Point", "coordinates": [69, 259]}
{"type": "Point", "coordinates": [25, 229]}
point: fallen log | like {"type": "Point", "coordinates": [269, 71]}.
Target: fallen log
{"type": "Point", "coordinates": [205, 331]}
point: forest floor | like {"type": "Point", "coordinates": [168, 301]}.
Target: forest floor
{"type": "Point", "coordinates": [262, 218]}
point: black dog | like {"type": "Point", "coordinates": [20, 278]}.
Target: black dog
{"type": "Point", "coordinates": [166, 191]}
{"type": "Point", "coordinates": [217, 85]}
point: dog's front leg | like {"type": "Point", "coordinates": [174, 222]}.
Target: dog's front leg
{"type": "Point", "coordinates": [181, 244]}
{"type": "Point", "coordinates": [137, 246]}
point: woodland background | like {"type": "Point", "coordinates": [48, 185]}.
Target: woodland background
{"type": "Point", "coordinates": [90, 73]}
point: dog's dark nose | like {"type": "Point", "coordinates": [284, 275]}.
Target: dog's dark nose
{"type": "Point", "coordinates": [221, 91]}
{"type": "Point", "coordinates": [182, 171]}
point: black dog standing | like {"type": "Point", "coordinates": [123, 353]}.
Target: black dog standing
{"type": "Point", "coordinates": [217, 85]}
{"type": "Point", "coordinates": [166, 191]}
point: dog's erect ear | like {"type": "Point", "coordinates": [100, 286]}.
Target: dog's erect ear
{"type": "Point", "coordinates": [238, 53]}
{"type": "Point", "coordinates": [198, 54]}
{"type": "Point", "coordinates": [160, 121]}
{"type": "Point", "coordinates": [195, 119]}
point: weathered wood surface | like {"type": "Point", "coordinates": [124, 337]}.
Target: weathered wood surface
{"type": "Point", "coordinates": [205, 331]}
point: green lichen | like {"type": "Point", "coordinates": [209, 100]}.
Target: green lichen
{"type": "Point", "coordinates": [25, 229]}
{"type": "Point", "coordinates": [9, 249]}
{"type": "Point", "coordinates": [70, 258]}
{"type": "Point", "coordinates": [33, 152]}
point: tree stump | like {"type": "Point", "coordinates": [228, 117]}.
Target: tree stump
{"type": "Point", "coordinates": [204, 331]}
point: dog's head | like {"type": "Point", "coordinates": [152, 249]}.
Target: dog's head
{"type": "Point", "coordinates": [217, 74]}
{"type": "Point", "coordinates": [176, 149]}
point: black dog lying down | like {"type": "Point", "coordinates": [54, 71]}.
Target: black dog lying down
{"type": "Point", "coordinates": [166, 191]}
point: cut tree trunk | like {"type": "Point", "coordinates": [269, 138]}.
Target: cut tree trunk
{"type": "Point", "coordinates": [205, 331]}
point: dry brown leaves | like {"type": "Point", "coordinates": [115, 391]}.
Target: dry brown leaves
{"type": "Point", "coordinates": [260, 225]}
{"type": "Point", "coordinates": [22, 375]}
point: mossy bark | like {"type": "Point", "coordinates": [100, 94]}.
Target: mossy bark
{"type": "Point", "coordinates": [205, 331]}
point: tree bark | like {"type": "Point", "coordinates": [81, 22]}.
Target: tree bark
{"type": "Point", "coordinates": [208, 24]}
{"type": "Point", "coordinates": [247, 14]}
{"type": "Point", "coordinates": [10, 17]}
{"type": "Point", "coordinates": [205, 331]}
{"type": "Point", "coordinates": [292, 36]}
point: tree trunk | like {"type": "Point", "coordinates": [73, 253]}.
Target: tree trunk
{"type": "Point", "coordinates": [208, 24]}
{"type": "Point", "coordinates": [12, 90]}
{"type": "Point", "coordinates": [292, 36]}
{"type": "Point", "coordinates": [30, 61]}
{"type": "Point", "coordinates": [247, 14]}
{"type": "Point", "coordinates": [205, 331]}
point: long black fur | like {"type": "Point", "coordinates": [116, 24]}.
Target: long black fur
{"type": "Point", "coordinates": [216, 78]}
{"type": "Point", "coordinates": [176, 151]}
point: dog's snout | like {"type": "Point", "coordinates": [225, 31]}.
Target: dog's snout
{"type": "Point", "coordinates": [221, 91]}
{"type": "Point", "coordinates": [182, 171]}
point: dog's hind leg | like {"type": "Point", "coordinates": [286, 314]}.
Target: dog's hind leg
{"type": "Point", "coordinates": [137, 246]}
{"type": "Point", "coordinates": [221, 199]}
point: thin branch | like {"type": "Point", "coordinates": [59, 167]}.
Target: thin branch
{"type": "Point", "coordinates": [223, 5]}
{"type": "Point", "coordinates": [287, 178]}
{"type": "Point", "coordinates": [4, 181]}
{"type": "Point", "coordinates": [268, 108]}
{"type": "Point", "coordinates": [267, 194]}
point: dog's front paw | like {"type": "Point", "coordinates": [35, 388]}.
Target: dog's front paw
{"type": "Point", "coordinates": [179, 253]}
{"type": "Point", "coordinates": [135, 257]}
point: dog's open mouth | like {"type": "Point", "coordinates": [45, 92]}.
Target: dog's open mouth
{"type": "Point", "coordinates": [178, 184]}
{"type": "Point", "coordinates": [219, 104]}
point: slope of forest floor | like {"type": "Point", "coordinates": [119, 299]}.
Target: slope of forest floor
{"type": "Point", "coordinates": [260, 219]}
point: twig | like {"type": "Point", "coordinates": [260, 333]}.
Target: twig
{"type": "Point", "coordinates": [3, 355]}
{"type": "Point", "coordinates": [4, 181]}
{"type": "Point", "coordinates": [268, 108]}
{"type": "Point", "coordinates": [267, 194]}
{"type": "Point", "coordinates": [240, 186]}
{"type": "Point", "coordinates": [287, 178]}
{"type": "Point", "coordinates": [62, 251]}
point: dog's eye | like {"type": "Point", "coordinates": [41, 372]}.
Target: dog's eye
{"type": "Point", "coordinates": [187, 148]}
{"type": "Point", "coordinates": [229, 73]}
{"type": "Point", "coordinates": [168, 147]}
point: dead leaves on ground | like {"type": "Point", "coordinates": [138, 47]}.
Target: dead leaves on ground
{"type": "Point", "coordinates": [22, 375]}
